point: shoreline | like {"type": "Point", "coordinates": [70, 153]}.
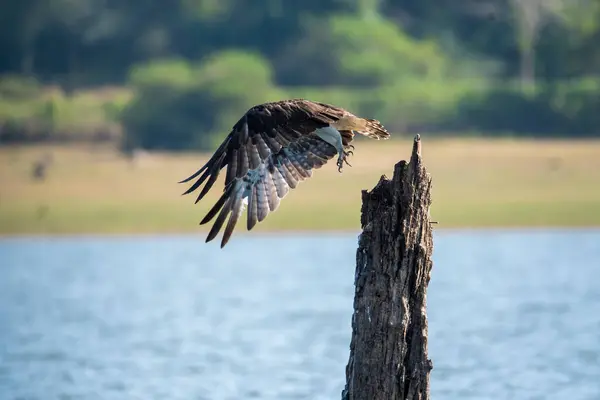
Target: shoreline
{"type": "Point", "coordinates": [294, 232]}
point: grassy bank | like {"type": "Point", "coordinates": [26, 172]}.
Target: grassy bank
{"type": "Point", "coordinates": [477, 183]}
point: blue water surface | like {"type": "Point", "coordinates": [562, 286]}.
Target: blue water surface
{"type": "Point", "coordinates": [512, 315]}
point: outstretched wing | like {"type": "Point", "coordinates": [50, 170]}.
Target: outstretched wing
{"type": "Point", "coordinates": [268, 152]}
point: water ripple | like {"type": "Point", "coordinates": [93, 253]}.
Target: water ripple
{"type": "Point", "coordinates": [511, 315]}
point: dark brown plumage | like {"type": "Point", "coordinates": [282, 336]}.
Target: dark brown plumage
{"type": "Point", "coordinates": [272, 148]}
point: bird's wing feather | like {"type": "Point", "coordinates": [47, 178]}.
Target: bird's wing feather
{"type": "Point", "coordinates": [268, 152]}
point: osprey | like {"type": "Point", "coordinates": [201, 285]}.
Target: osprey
{"type": "Point", "coordinates": [272, 148]}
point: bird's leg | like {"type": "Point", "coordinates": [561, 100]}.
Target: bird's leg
{"type": "Point", "coordinates": [334, 138]}
{"type": "Point", "coordinates": [343, 157]}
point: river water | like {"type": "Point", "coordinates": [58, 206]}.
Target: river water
{"type": "Point", "coordinates": [512, 315]}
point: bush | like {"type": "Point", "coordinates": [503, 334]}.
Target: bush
{"type": "Point", "coordinates": [197, 110]}
{"type": "Point", "coordinates": [474, 105]}
{"type": "Point", "coordinates": [567, 108]}
{"type": "Point", "coordinates": [351, 51]}
{"type": "Point", "coordinates": [409, 105]}
{"type": "Point", "coordinates": [17, 87]}
{"type": "Point", "coordinates": [32, 113]}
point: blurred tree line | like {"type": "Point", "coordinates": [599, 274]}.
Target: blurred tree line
{"type": "Point", "coordinates": [176, 74]}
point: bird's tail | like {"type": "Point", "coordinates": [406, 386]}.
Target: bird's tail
{"type": "Point", "coordinates": [374, 130]}
{"type": "Point", "coordinates": [365, 126]}
{"type": "Point", "coordinates": [370, 128]}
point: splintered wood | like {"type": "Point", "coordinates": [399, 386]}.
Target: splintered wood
{"type": "Point", "coordinates": [388, 351]}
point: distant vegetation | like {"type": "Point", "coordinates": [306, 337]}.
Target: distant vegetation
{"type": "Point", "coordinates": [144, 74]}
{"type": "Point", "coordinates": [31, 113]}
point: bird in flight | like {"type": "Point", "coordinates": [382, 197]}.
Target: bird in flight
{"type": "Point", "coordinates": [272, 148]}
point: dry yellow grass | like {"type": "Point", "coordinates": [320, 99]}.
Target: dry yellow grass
{"type": "Point", "coordinates": [476, 183]}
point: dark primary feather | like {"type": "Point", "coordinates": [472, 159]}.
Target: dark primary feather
{"type": "Point", "coordinates": [269, 127]}
{"type": "Point", "coordinates": [277, 140]}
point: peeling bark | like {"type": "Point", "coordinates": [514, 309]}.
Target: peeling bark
{"type": "Point", "coordinates": [388, 352]}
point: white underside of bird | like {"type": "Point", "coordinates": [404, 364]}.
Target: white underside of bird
{"type": "Point", "coordinates": [328, 134]}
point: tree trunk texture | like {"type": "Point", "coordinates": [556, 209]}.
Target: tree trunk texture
{"type": "Point", "coordinates": [388, 351]}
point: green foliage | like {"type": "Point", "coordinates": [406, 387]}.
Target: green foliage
{"type": "Point", "coordinates": [208, 10]}
{"type": "Point", "coordinates": [552, 109]}
{"type": "Point", "coordinates": [199, 106]}
{"type": "Point", "coordinates": [375, 51]}
{"type": "Point", "coordinates": [29, 113]}
{"type": "Point", "coordinates": [15, 87]}
{"type": "Point", "coordinates": [162, 73]}
{"type": "Point", "coordinates": [353, 51]}
{"type": "Point", "coordinates": [404, 105]}
{"type": "Point", "coordinates": [194, 66]}
{"type": "Point", "coordinates": [235, 81]}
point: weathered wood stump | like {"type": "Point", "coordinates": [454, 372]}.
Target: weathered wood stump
{"type": "Point", "coordinates": [388, 351]}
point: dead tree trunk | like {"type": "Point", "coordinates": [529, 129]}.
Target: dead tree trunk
{"type": "Point", "coordinates": [388, 351]}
